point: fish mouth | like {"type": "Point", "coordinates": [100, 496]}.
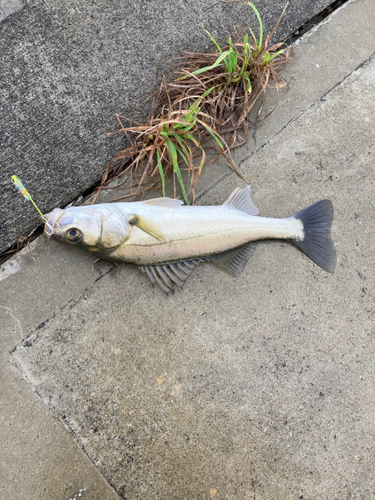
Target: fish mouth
{"type": "Point", "coordinates": [51, 225]}
{"type": "Point", "coordinates": [53, 236]}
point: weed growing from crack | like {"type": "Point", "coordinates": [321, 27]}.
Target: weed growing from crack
{"type": "Point", "coordinates": [158, 148]}
{"type": "Point", "coordinates": [209, 98]}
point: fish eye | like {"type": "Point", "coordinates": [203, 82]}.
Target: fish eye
{"type": "Point", "coordinates": [73, 234]}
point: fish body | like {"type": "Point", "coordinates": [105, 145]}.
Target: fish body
{"type": "Point", "coordinates": [187, 232]}
{"type": "Point", "coordinates": [162, 236]}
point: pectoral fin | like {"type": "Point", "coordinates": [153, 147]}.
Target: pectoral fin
{"type": "Point", "coordinates": [148, 226]}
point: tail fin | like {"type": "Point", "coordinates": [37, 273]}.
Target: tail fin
{"type": "Point", "coordinates": [317, 243]}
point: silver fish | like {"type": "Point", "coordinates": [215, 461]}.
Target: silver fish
{"type": "Point", "coordinates": [168, 240]}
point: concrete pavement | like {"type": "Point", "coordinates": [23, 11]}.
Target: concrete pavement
{"type": "Point", "coordinates": [260, 386]}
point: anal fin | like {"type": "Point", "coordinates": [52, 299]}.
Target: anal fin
{"type": "Point", "coordinates": [233, 261]}
{"type": "Point", "coordinates": [171, 274]}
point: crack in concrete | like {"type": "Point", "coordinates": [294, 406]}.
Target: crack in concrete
{"type": "Point", "coordinates": [292, 120]}
{"type": "Point", "coordinates": [17, 321]}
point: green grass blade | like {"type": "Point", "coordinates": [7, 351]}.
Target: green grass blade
{"type": "Point", "coordinates": [183, 144]}
{"type": "Point", "coordinates": [183, 128]}
{"type": "Point", "coordinates": [206, 93]}
{"type": "Point", "coordinates": [254, 38]}
{"type": "Point", "coordinates": [246, 51]}
{"type": "Point", "coordinates": [277, 54]}
{"type": "Point", "coordinates": [194, 110]}
{"type": "Point", "coordinates": [212, 39]}
{"type": "Point", "coordinates": [209, 129]}
{"type": "Point", "coordinates": [179, 150]}
{"type": "Point", "coordinates": [260, 25]}
{"type": "Point", "coordinates": [176, 169]}
{"type": "Point", "coordinates": [267, 57]}
{"type": "Point", "coordinates": [192, 139]}
{"type": "Point", "coordinates": [199, 146]}
{"type": "Point", "coordinates": [222, 56]}
{"type": "Point", "coordinates": [250, 87]}
{"type": "Point", "coordinates": [232, 62]}
{"type": "Point", "coordinates": [191, 117]}
{"type": "Point", "coordinates": [161, 172]}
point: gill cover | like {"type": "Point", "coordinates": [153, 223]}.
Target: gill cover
{"type": "Point", "coordinates": [115, 230]}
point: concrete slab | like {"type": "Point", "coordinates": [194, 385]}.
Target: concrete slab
{"type": "Point", "coordinates": [68, 67]}
{"type": "Point", "coordinates": [8, 7]}
{"type": "Point", "coordinates": [39, 460]}
{"type": "Point", "coordinates": [33, 291]}
{"type": "Point", "coordinates": [261, 386]}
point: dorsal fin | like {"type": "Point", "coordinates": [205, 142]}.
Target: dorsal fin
{"type": "Point", "coordinates": [241, 200]}
{"type": "Point", "coordinates": [164, 202]}
{"type": "Point", "coordinates": [233, 261]}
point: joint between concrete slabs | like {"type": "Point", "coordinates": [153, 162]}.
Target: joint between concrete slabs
{"type": "Point", "coordinates": [27, 377]}
{"type": "Point", "coordinates": [325, 21]}
{"type": "Point", "coordinates": [295, 118]}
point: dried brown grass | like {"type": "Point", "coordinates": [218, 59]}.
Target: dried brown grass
{"type": "Point", "coordinates": [219, 93]}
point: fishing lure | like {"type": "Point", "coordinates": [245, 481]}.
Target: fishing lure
{"type": "Point", "coordinates": [21, 189]}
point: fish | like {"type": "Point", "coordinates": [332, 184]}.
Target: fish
{"type": "Point", "coordinates": [168, 239]}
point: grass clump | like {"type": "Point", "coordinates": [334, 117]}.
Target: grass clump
{"type": "Point", "coordinates": [208, 98]}
{"type": "Point", "coordinates": [158, 148]}
{"type": "Point", "coordinates": [241, 72]}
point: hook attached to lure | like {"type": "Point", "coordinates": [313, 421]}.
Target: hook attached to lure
{"type": "Point", "coordinates": [21, 189]}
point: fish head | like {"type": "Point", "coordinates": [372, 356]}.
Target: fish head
{"type": "Point", "coordinates": [91, 228]}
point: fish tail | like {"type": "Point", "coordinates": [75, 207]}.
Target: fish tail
{"type": "Point", "coordinates": [317, 243]}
